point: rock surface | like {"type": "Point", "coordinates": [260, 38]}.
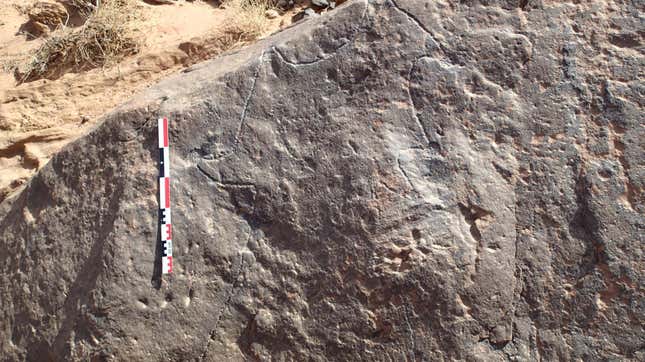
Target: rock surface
{"type": "Point", "coordinates": [391, 181]}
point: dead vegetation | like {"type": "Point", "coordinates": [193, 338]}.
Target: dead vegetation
{"type": "Point", "coordinates": [250, 20]}
{"type": "Point", "coordinates": [103, 39]}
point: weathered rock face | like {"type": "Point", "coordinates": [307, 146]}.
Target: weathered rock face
{"type": "Point", "coordinates": [392, 181]}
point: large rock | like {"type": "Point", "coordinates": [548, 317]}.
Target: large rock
{"type": "Point", "coordinates": [392, 181]}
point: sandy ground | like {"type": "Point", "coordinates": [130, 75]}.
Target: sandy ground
{"type": "Point", "coordinates": [38, 118]}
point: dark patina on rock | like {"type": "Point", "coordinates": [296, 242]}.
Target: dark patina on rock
{"type": "Point", "coordinates": [390, 181]}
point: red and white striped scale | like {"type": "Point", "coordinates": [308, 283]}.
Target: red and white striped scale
{"type": "Point", "coordinates": [164, 197]}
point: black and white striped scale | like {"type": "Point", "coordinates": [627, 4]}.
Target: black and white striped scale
{"type": "Point", "coordinates": [165, 223]}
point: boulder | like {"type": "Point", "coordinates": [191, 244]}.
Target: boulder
{"type": "Point", "coordinates": [393, 180]}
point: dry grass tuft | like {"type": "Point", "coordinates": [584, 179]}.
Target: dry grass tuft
{"type": "Point", "coordinates": [246, 22]}
{"type": "Point", "coordinates": [104, 39]}
{"type": "Point", "coordinates": [250, 20]}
